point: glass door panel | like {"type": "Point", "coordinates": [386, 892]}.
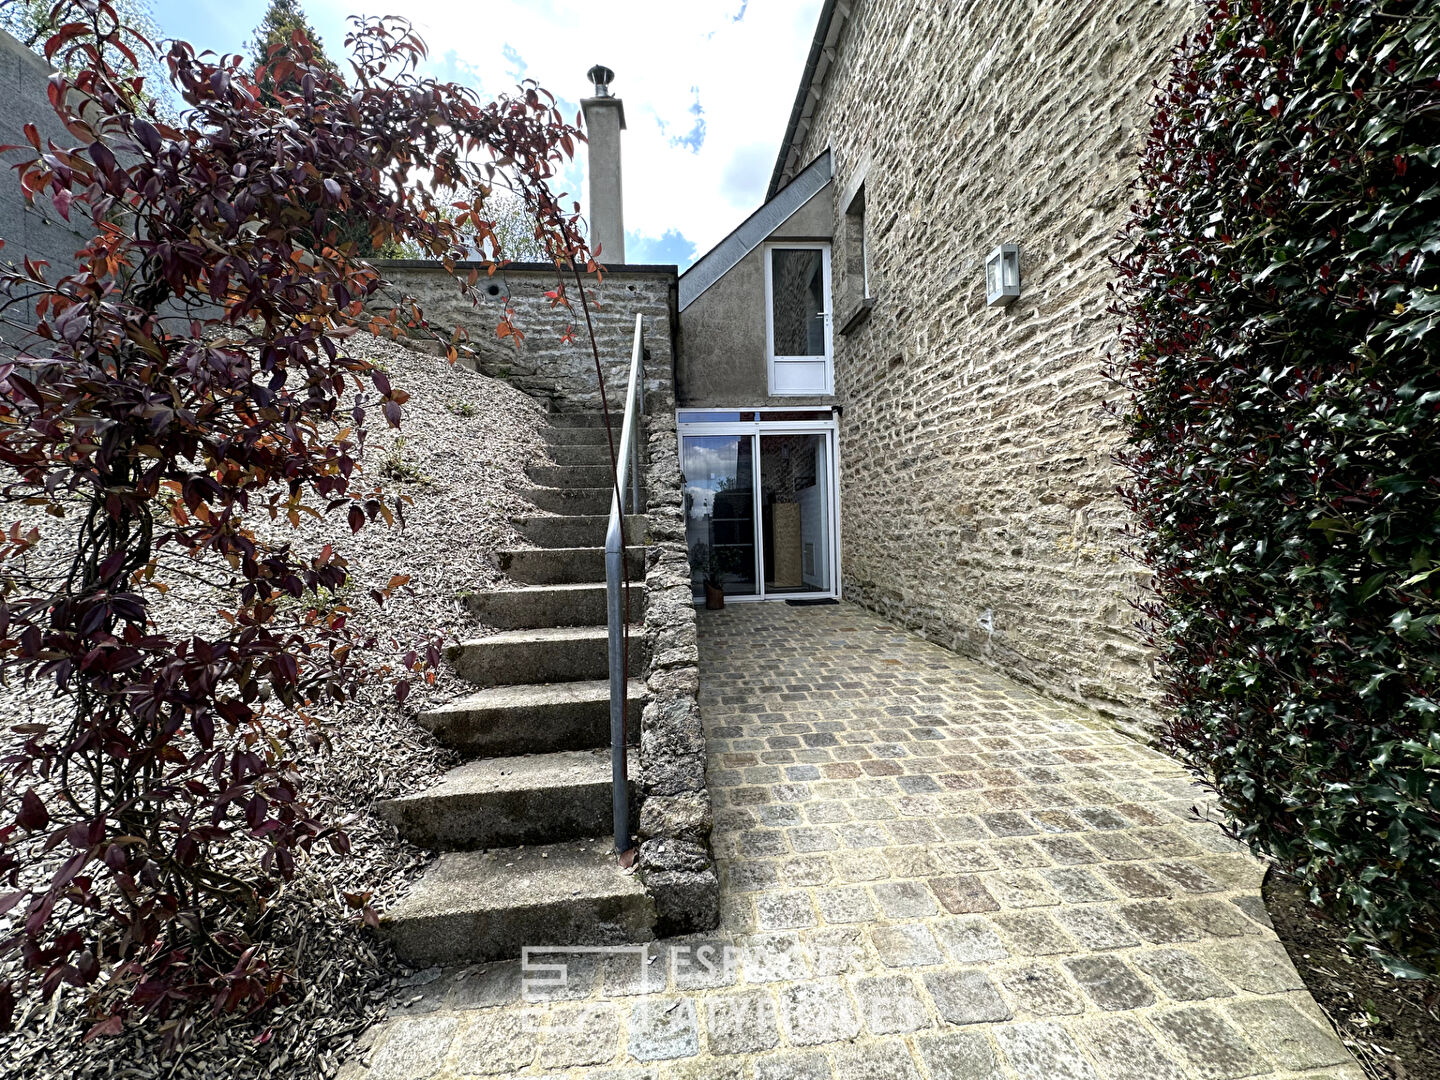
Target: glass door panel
{"type": "Point", "coordinates": [720, 511]}
{"type": "Point", "coordinates": [796, 537]}
{"type": "Point", "coordinates": [797, 302]}
{"type": "Point", "coordinates": [797, 281]}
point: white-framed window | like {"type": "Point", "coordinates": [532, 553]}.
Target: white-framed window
{"type": "Point", "coordinates": [798, 319]}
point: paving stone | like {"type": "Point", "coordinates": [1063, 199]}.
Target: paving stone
{"type": "Point", "coordinates": [1042, 990]}
{"type": "Point", "coordinates": [773, 957]}
{"type": "Point", "coordinates": [1180, 975]}
{"type": "Point", "coordinates": [835, 950]}
{"type": "Point", "coordinates": [1076, 886]}
{"type": "Point", "coordinates": [813, 839]}
{"type": "Point", "coordinates": [962, 894]}
{"type": "Point", "coordinates": [890, 1004]}
{"type": "Point", "coordinates": [1254, 908]}
{"type": "Point", "coordinates": [884, 1060]}
{"type": "Point", "coordinates": [810, 1065]}
{"type": "Point", "coordinates": [743, 1023]}
{"type": "Point", "coordinates": [1033, 933]}
{"type": "Point", "coordinates": [582, 1034]}
{"type": "Point", "coordinates": [848, 905]}
{"type": "Point", "coordinates": [909, 945]}
{"type": "Point", "coordinates": [1262, 967]}
{"type": "Point", "coordinates": [965, 997]}
{"type": "Point", "coordinates": [1021, 889]}
{"type": "Point", "coordinates": [702, 964]}
{"type": "Point", "coordinates": [904, 899]}
{"type": "Point", "coordinates": [818, 1012]}
{"type": "Point", "coordinates": [1159, 922]}
{"type": "Point", "coordinates": [662, 1029]}
{"type": "Point", "coordinates": [784, 911]}
{"type": "Point", "coordinates": [1043, 1051]}
{"type": "Point", "coordinates": [1126, 1050]}
{"type": "Point", "coordinates": [1109, 983]}
{"type": "Point", "coordinates": [413, 1048]}
{"type": "Point", "coordinates": [959, 1055]}
{"type": "Point", "coordinates": [970, 940]}
{"type": "Point", "coordinates": [1285, 1035]}
{"type": "Point", "coordinates": [1212, 1048]}
{"type": "Point", "coordinates": [499, 1042]}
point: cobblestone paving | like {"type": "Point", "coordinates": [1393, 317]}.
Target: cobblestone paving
{"type": "Point", "coordinates": [927, 871]}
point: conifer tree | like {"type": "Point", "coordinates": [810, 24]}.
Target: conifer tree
{"type": "Point", "coordinates": [282, 19]}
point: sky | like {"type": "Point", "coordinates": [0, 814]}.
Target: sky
{"type": "Point", "coordinates": [707, 86]}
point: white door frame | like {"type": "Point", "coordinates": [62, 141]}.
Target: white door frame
{"type": "Point", "coordinates": [771, 360]}
{"type": "Point", "coordinates": [754, 429]}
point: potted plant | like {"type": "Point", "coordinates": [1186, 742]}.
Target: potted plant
{"type": "Point", "coordinates": [705, 563]}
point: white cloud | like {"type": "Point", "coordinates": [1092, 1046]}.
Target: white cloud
{"type": "Point", "coordinates": [667, 56]}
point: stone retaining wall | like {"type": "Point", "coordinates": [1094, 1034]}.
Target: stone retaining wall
{"type": "Point", "coordinates": [545, 366]}
{"type": "Point", "coordinates": [675, 819]}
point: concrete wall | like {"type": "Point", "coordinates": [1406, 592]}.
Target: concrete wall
{"type": "Point", "coordinates": [975, 449]}
{"type": "Point", "coordinates": [37, 231]}
{"type": "Point", "coordinates": [722, 360]}
{"type": "Point", "coordinates": [543, 365]}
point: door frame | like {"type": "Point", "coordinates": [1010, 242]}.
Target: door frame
{"type": "Point", "coordinates": [828, 426]}
{"type": "Point", "coordinates": [822, 246]}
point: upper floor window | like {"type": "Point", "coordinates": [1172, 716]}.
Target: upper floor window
{"type": "Point", "coordinates": [797, 318]}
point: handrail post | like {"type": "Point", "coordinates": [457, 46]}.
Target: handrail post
{"type": "Point", "coordinates": [619, 764]}
{"type": "Point", "coordinates": [617, 616]}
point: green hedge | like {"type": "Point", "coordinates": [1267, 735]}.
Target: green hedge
{"type": "Point", "coordinates": [1280, 337]}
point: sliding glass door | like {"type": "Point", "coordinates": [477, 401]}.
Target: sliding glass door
{"type": "Point", "coordinates": [795, 513]}
{"type": "Point", "coordinates": [760, 508]}
{"type": "Point", "coordinates": [720, 511]}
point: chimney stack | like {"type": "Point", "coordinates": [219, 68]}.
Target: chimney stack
{"type": "Point", "coordinates": [604, 120]}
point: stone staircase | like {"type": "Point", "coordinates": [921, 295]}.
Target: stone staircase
{"type": "Point", "coordinates": [524, 824]}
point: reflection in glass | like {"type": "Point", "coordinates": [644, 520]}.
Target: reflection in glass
{"type": "Point", "coordinates": [795, 499]}
{"type": "Point", "coordinates": [797, 284]}
{"type": "Point", "coordinates": [720, 511]}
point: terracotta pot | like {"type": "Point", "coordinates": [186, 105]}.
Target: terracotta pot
{"type": "Point", "coordinates": [714, 597]}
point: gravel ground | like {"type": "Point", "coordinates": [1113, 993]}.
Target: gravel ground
{"type": "Point", "coordinates": [466, 441]}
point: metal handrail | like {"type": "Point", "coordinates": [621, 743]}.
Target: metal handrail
{"type": "Point", "coordinates": [617, 583]}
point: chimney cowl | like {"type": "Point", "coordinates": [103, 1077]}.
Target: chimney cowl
{"type": "Point", "coordinates": [601, 76]}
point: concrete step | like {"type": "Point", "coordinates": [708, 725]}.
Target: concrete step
{"type": "Point", "coordinates": [599, 454]}
{"type": "Point", "coordinates": [582, 500]}
{"type": "Point", "coordinates": [570, 476]}
{"type": "Point", "coordinates": [554, 654]}
{"type": "Point", "coordinates": [507, 720]}
{"type": "Point", "coordinates": [559, 566]}
{"type": "Point", "coordinates": [576, 530]}
{"type": "Point", "coordinates": [501, 802]}
{"type": "Point", "coordinates": [579, 436]}
{"type": "Point", "coordinates": [470, 907]}
{"type": "Point", "coordinates": [584, 419]}
{"type": "Point", "coordinates": [582, 604]}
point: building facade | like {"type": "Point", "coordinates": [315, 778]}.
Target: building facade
{"type": "Point", "coordinates": [841, 339]}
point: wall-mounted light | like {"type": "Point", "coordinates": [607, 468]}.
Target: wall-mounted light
{"type": "Point", "coordinates": [1002, 275]}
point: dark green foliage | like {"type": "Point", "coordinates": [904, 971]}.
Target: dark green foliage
{"type": "Point", "coordinates": [1280, 350]}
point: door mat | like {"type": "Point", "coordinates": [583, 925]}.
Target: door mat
{"type": "Point", "coordinates": [810, 603]}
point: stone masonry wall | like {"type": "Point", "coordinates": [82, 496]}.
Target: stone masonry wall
{"type": "Point", "coordinates": [558, 372]}
{"type": "Point", "coordinates": [975, 446]}
{"type": "Point", "coordinates": [676, 862]}
{"type": "Point", "coordinates": [674, 816]}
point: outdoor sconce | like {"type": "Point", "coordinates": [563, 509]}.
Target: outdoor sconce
{"type": "Point", "coordinates": [1002, 275]}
